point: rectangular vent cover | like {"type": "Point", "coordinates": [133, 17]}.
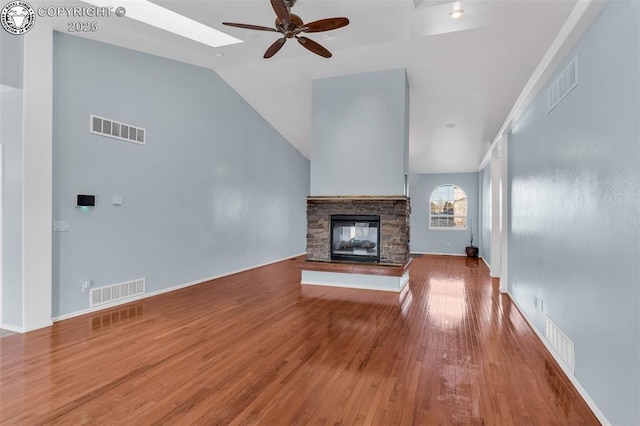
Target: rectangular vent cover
{"type": "Point", "coordinates": [562, 85]}
{"type": "Point", "coordinates": [561, 345]}
{"type": "Point", "coordinates": [114, 292]}
{"type": "Point", "coordinates": [115, 129]}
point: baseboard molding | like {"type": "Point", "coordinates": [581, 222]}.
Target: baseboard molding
{"type": "Point", "coordinates": [164, 290]}
{"type": "Point", "coordinates": [12, 328]}
{"type": "Point", "coordinates": [22, 330]}
{"type": "Point", "coordinates": [488, 266]}
{"type": "Point", "coordinates": [439, 254]}
{"type": "Point", "coordinates": [37, 326]}
{"type": "Point", "coordinates": [583, 393]}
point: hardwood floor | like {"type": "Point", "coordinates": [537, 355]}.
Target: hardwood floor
{"type": "Point", "coordinates": [256, 348]}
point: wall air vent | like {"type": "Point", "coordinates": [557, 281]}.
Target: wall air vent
{"type": "Point", "coordinates": [114, 292]}
{"type": "Point", "coordinates": [562, 85]}
{"type": "Point", "coordinates": [115, 129]}
{"type": "Point", "coordinates": [561, 345]}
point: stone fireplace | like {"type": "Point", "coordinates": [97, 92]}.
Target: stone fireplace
{"type": "Point", "coordinates": [369, 229]}
{"type": "Point", "coordinates": [356, 237]}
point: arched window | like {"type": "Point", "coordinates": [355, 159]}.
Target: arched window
{"type": "Point", "coordinates": [448, 208]}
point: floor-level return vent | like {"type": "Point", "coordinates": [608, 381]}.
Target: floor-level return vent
{"type": "Point", "coordinates": [561, 345]}
{"type": "Point", "coordinates": [115, 292]}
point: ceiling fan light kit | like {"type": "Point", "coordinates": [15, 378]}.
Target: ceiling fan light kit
{"type": "Point", "coordinates": [290, 26]}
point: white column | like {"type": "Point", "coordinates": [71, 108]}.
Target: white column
{"type": "Point", "coordinates": [38, 176]}
{"type": "Point", "coordinates": [496, 213]}
{"type": "Point", "coordinates": [1, 227]}
{"type": "Point", "coordinates": [504, 214]}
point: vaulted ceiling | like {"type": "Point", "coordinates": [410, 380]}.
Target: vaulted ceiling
{"type": "Point", "coordinates": [464, 74]}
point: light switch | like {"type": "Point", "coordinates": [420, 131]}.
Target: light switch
{"type": "Point", "coordinates": [61, 226]}
{"type": "Point", "coordinates": [117, 200]}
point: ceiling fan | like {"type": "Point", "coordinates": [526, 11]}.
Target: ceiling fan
{"type": "Point", "coordinates": [290, 26]}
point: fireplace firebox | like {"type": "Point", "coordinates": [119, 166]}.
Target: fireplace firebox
{"type": "Point", "coordinates": [355, 238]}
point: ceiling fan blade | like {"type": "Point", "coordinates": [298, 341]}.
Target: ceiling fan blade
{"type": "Point", "coordinates": [325, 25]}
{"type": "Point", "coordinates": [250, 27]}
{"type": "Point", "coordinates": [282, 12]}
{"type": "Point", "coordinates": [275, 47]}
{"type": "Point", "coordinates": [314, 47]}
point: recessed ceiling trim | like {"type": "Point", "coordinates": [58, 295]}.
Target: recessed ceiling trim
{"type": "Point", "coordinates": [157, 16]}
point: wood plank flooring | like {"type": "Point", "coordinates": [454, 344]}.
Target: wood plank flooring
{"type": "Point", "coordinates": [257, 348]}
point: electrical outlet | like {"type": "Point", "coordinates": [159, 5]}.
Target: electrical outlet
{"type": "Point", "coordinates": [448, 245]}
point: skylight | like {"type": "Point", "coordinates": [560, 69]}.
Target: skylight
{"type": "Point", "coordinates": [151, 14]}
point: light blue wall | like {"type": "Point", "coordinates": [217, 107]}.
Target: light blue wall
{"type": "Point", "coordinates": [360, 134]}
{"type": "Point", "coordinates": [11, 63]}
{"type": "Point", "coordinates": [215, 189]}
{"type": "Point", "coordinates": [575, 196]}
{"type": "Point", "coordinates": [425, 240]}
{"type": "Point", "coordinates": [12, 169]}
{"type": "Point", "coordinates": [485, 214]}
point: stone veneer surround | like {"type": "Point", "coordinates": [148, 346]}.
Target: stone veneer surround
{"type": "Point", "coordinates": [394, 212]}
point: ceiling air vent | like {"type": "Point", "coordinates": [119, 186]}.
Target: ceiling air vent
{"type": "Point", "coordinates": [115, 129]}
{"type": "Point", "coordinates": [563, 84]}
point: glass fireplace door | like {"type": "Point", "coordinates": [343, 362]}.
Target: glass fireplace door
{"type": "Point", "coordinates": [355, 238]}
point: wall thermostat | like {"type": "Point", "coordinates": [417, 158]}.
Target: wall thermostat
{"type": "Point", "coordinates": [86, 200]}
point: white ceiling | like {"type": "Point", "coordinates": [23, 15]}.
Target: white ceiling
{"type": "Point", "coordinates": [468, 71]}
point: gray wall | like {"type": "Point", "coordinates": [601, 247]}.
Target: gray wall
{"type": "Point", "coordinates": [484, 243]}
{"type": "Point", "coordinates": [425, 240]}
{"type": "Point", "coordinates": [11, 63]}
{"type": "Point", "coordinates": [360, 134]}
{"type": "Point", "coordinates": [11, 139]}
{"type": "Point", "coordinates": [575, 196]}
{"type": "Point", "coordinates": [216, 188]}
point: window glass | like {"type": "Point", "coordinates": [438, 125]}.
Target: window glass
{"type": "Point", "coordinates": [448, 208]}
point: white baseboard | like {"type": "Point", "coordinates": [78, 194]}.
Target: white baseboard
{"type": "Point", "coordinates": [21, 330]}
{"type": "Point", "coordinates": [583, 393]}
{"type": "Point", "coordinates": [488, 266]}
{"type": "Point", "coordinates": [439, 254]}
{"type": "Point", "coordinates": [37, 326]}
{"type": "Point", "coordinates": [12, 328]}
{"type": "Point", "coordinates": [164, 290]}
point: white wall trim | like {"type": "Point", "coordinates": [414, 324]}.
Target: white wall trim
{"type": "Point", "coordinates": [12, 328]}
{"type": "Point", "coordinates": [165, 290]}
{"type": "Point", "coordinates": [438, 254]}
{"type": "Point", "coordinates": [37, 177]}
{"type": "Point", "coordinates": [21, 330]}
{"type": "Point", "coordinates": [1, 228]}
{"type": "Point", "coordinates": [579, 19]}
{"type": "Point", "coordinates": [583, 393]}
{"type": "Point", "coordinates": [488, 266]}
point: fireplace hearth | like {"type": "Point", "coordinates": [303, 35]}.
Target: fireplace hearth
{"type": "Point", "coordinates": [355, 238]}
